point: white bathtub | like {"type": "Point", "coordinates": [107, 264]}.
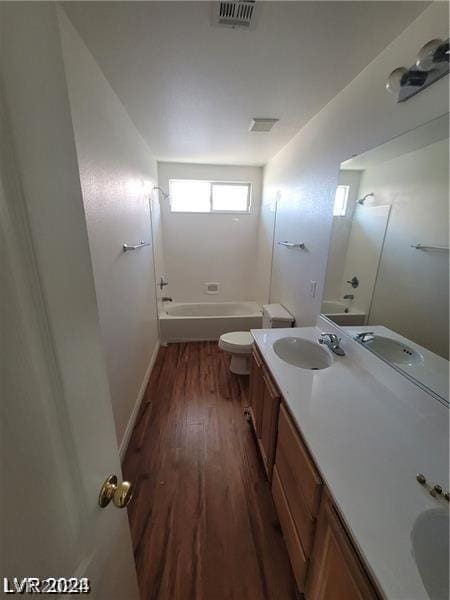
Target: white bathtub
{"type": "Point", "coordinates": [341, 314]}
{"type": "Point", "coordinates": [203, 321]}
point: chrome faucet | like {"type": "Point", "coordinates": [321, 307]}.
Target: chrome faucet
{"type": "Point", "coordinates": [349, 297]}
{"type": "Point", "coordinates": [361, 337]}
{"type": "Point", "coordinates": [332, 341]}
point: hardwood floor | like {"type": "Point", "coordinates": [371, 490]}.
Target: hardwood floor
{"type": "Point", "coordinates": [203, 523]}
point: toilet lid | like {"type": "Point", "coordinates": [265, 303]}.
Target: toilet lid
{"type": "Point", "coordinates": [239, 339]}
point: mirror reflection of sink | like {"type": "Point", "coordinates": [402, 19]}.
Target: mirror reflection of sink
{"type": "Point", "coordinates": [302, 353]}
{"type": "Point", "coordinates": [430, 548]}
{"type": "Point", "coordinates": [393, 351]}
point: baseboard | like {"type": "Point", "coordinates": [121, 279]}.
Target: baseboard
{"type": "Point", "coordinates": [129, 429]}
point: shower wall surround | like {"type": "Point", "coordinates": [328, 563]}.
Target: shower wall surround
{"type": "Point", "coordinates": [204, 247]}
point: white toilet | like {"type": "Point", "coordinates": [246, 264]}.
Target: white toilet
{"type": "Point", "coordinates": [239, 343]}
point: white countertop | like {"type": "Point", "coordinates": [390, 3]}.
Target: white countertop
{"type": "Point", "coordinates": [433, 373]}
{"type": "Point", "coordinates": [370, 431]}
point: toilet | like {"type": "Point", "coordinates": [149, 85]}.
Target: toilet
{"type": "Point", "coordinates": [239, 343]}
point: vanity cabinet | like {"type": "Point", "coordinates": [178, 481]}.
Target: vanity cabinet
{"type": "Point", "coordinates": [256, 391]}
{"type": "Point", "coordinates": [325, 564]}
{"type": "Point", "coordinates": [296, 489]}
{"type": "Point", "coordinates": [264, 407]}
{"type": "Point", "coordinates": [335, 572]}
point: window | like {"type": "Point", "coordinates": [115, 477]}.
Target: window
{"type": "Point", "coordinates": [198, 196]}
{"type": "Point", "coordinates": [340, 201]}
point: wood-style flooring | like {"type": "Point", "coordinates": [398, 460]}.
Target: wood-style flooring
{"type": "Point", "coordinates": [203, 523]}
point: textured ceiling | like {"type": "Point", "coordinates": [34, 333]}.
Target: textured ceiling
{"type": "Point", "coordinates": [192, 89]}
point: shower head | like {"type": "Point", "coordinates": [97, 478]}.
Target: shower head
{"type": "Point", "coordinates": [362, 200]}
{"type": "Point", "coordinates": [164, 194]}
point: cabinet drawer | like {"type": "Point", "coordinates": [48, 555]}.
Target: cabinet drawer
{"type": "Point", "coordinates": [298, 474]}
{"type": "Point", "coordinates": [298, 559]}
{"type": "Point", "coordinates": [291, 482]}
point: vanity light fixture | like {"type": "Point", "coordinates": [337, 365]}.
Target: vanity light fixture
{"type": "Point", "coordinates": [432, 63]}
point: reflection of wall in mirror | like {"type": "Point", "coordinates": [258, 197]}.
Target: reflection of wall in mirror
{"type": "Point", "coordinates": [411, 294]}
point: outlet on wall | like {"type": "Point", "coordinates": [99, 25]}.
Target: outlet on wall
{"type": "Point", "coordinates": [313, 289]}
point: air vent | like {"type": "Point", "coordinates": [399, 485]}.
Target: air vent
{"type": "Point", "coordinates": [263, 125]}
{"type": "Point", "coordinates": [236, 14]}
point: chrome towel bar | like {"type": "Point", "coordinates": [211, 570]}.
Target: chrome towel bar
{"type": "Point", "coordinates": [429, 247]}
{"type": "Point", "coordinates": [142, 244]}
{"type": "Point", "coordinates": [292, 245]}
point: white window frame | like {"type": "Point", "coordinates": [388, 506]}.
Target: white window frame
{"type": "Point", "coordinates": [211, 187]}
{"type": "Point", "coordinates": [347, 192]}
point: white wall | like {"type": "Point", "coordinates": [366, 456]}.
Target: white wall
{"type": "Point", "coordinates": [201, 248]}
{"type": "Point", "coordinates": [340, 234]}
{"type": "Point", "coordinates": [411, 292]}
{"type": "Point", "coordinates": [117, 174]}
{"type": "Point", "coordinates": [306, 171]}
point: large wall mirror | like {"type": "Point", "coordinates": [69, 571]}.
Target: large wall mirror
{"type": "Point", "coordinates": [388, 265]}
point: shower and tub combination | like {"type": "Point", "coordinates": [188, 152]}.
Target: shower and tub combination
{"type": "Point", "coordinates": [227, 322]}
{"type": "Point", "coordinates": [204, 321]}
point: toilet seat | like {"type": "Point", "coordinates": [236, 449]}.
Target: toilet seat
{"type": "Point", "coordinates": [236, 342]}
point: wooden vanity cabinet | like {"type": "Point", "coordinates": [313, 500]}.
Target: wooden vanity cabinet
{"type": "Point", "coordinates": [325, 564]}
{"type": "Point", "coordinates": [264, 407]}
{"type": "Point", "coordinates": [336, 572]}
{"type": "Point", "coordinates": [296, 490]}
{"type": "Point", "coordinates": [256, 391]}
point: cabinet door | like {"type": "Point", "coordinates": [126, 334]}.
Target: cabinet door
{"type": "Point", "coordinates": [299, 478]}
{"type": "Point", "coordinates": [256, 394]}
{"type": "Point", "coordinates": [271, 406]}
{"type": "Point", "coordinates": [336, 572]}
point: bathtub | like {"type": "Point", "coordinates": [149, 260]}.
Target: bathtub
{"type": "Point", "coordinates": [341, 314]}
{"type": "Point", "coordinates": [203, 321]}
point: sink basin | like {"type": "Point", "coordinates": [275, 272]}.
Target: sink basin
{"type": "Point", "coordinates": [394, 351]}
{"type": "Point", "coordinates": [430, 542]}
{"type": "Point", "coordinates": [302, 353]}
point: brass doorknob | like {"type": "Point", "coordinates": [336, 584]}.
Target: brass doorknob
{"type": "Point", "coordinates": [120, 494]}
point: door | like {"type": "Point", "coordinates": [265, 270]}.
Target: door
{"type": "Point", "coordinates": [57, 436]}
{"type": "Point", "coordinates": [271, 406]}
{"type": "Point", "coordinates": [256, 392]}
{"type": "Point", "coordinates": [335, 573]}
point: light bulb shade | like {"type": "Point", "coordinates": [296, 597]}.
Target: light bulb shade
{"type": "Point", "coordinates": [394, 81]}
{"type": "Point", "coordinates": [426, 57]}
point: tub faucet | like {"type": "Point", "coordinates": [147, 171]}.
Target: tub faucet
{"type": "Point", "coordinates": [349, 297]}
{"type": "Point", "coordinates": [332, 341]}
{"type": "Point", "coordinates": [166, 299]}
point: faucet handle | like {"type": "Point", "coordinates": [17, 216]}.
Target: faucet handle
{"type": "Point", "coordinates": [332, 337]}
{"type": "Point", "coordinates": [362, 335]}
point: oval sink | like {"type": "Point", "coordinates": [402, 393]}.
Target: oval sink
{"type": "Point", "coordinates": [302, 353]}
{"type": "Point", "coordinates": [430, 548]}
{"type": "Point", "coordinates": [394, 351]}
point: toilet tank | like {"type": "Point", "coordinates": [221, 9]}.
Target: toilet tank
{"type": "Point", "coordinates": [275, 316]}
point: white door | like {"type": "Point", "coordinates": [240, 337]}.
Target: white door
{"type": "Point", "coordinates": [57, 441]}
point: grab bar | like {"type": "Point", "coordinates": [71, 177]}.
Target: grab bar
{"type": "Point", "coordinates": [142, 244]}
{"type": "Point", "coordinates": [292, 245]}
{"type": "Point", "coordinates": [429, 247]}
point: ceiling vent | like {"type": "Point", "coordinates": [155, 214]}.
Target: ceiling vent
{"type": "Point", "coordinates": [235, 14]}
{"type": "Point", "coordinates": [262, 124]}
